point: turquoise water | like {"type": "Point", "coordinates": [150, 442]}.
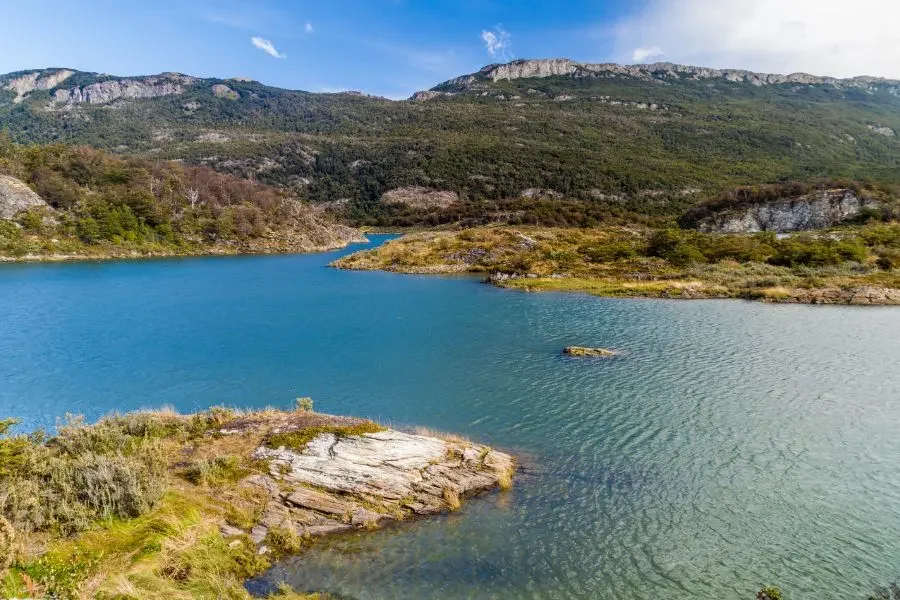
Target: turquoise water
{"type": "Point", "coordinates": [732, 445]}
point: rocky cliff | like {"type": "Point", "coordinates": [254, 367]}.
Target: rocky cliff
{"type": "Point", "coordinates": [104, 92]}
{"type": "Point", "coordinates": [16, 197]}
{"type": "Point", "coordinates": [107, 89]}
{"type": "Point", "coordinates": [817, 210]}
{"type": "Point", "coordinates": [660, 72]}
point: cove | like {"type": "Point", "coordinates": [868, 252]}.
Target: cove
{"type": "Point", "coordinates": [731, 445]}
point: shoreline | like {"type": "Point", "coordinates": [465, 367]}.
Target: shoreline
{"type": "Point", "coordinates": [150, 255]}
{"type": "Point", "coordinates": [615, 263]}
{"type": "Point", "coordinates": [199, 504]}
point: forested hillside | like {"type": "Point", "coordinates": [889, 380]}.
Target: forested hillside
{"type": "Point", "coordinates": [65, 200]}
{"type": "Point", "coordinates": [567, 144]}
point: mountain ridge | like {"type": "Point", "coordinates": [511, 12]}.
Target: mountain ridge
{"type": "Point", "coordinates": [573, 143]}
{"type": "Point", "coordinates": [25, 81]}
{"type": "Point", "coordinates": [556, 67]}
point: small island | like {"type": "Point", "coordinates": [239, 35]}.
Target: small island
{"type": "Point", "coordinates": [579, 351]}
{"type": "Point", "coordinates": [158, 504]}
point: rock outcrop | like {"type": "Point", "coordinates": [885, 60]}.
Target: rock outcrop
{"type": "Point", "coordinates": [23, 85]}
{"type": "Point", "coordinates": [337, 482]}
{"type": "Point", "coordinates": [858, 296]}
{"type": "Point", "coordinates": [661, 71]}
{"type": "Point", "coordinates": [104, 92]}
{"type": "Point", "coordinates": [813, 211]}
{"type": "Point", "coordinates": [223, 91]}
{"type": "Point", "coordinates": [16, 197]}
{"type": "Point", "coordinates": [588, 352]}
{"type": "Point", "coordinates": [420, 197]}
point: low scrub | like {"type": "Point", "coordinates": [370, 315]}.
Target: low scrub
{"type": "Point", "coordinates": [649, 262]}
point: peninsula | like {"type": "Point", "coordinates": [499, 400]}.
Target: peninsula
{"type": "Point", "coordinates": [163, 505]}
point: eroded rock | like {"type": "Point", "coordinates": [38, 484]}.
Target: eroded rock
{"type": "Point", "coordinates": [337, 483]}
{"type": "Point", "coordinates": [16, 197]}
{"type": "Point", "coordinates": [582, 351]}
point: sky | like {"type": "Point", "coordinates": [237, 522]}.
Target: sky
{"type": "Point", "coordinates": [396, 47]}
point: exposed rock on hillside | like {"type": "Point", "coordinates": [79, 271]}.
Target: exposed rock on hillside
{"type": "Point", "coordinates": [524, 69]}
{"type": "Point", "coordinates": [420, 197]}
{"type": "Point", "coordinates": [25, 84]}
{"type": "Point", "coordinates": [223, 91]}
{"type": "Point", "coordinates": [817, 210]}
{"type": "Point", "coordinates": [16, 197]}
{"type": "Point", "coordinates": [107, 91]}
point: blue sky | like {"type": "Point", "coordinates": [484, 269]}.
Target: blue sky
{"type": "Point", "coordinates": [395, 47]}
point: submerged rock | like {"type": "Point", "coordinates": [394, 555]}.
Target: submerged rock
{"type": "Point", "coordinates": [581, 351]}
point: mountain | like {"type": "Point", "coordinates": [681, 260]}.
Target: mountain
{"type": "Point", "coordinates": [542, 141]}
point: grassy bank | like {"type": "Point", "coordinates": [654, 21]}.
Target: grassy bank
{"type": "Point", "coordinates": [854, 265]}
{"type": "Point", "coordinates": [161, 505]}
{"type": "Point", "coordinates": [131, 507]}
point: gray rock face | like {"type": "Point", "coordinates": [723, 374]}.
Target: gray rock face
{"type": "Point", "coordinates": [16, 197]}
{"type": "Point", "coordinates": [523, 69]}
{"type": "Point", "coordinates": [104, 92]}
{"type": "Point", "coordinates": [25, 84]}
{"type": "Point", "coordinates": [223, 91]}
{"type": "Point", "coordinates": [338, 483]}
{"type": "Point", "coordinates": [813, 211]}
{"type": "Point", "coordinates": [420, 197]}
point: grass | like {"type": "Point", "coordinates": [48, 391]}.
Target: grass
{"type": "Point", "coordinates": [641, 262]}
{"type": "Point", "coordinates": [130, 507]}
{"type": "Point", "coordinates": [299, 438]}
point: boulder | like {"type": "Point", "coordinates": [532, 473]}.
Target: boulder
{"type": "Point", "coordinates": [582, 351]}
{"type": "Point", "coordinates": [16, 197]}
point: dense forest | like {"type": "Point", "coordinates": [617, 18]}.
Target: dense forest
{"type": "Point", "coordinates": [587, 149]}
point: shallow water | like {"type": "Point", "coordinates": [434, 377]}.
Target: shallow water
{"type": "Point", "coordinates": [732, 445]}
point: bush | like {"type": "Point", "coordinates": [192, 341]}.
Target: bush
{"type": "Point", "coordinates": [677, 247]}
{"type": "Point", "coordinates": [216, 472]}
{"type": "Point", "coordinates": [769, 593]}
{"type": "Point", "coordinates": [809, 251]}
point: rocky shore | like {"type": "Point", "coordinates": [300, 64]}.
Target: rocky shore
{"type": "Point", "coordinates": [337, 482]}
{"type": "Point", "coordinates": [155, 504]}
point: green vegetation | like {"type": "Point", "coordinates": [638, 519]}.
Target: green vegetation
{"type": "Point", "coordinates": [103, 204]}
{"type": "Point", "coordinates": [298, 439]}
{"type": "Point", "coordinates": [655, 263]}
{"type": "Point", "coordinates": [130, 507]}
{"type": "Point", "coordinates": [607, 161]}
{"type": "Point", "coordinates": [769, 593]}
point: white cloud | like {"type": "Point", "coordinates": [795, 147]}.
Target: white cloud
{"type": "Point", "coordinates": [308, 28]}
{"type": "Point", "coordinates": [822, 37]}
{"type": "Point", "coordinates": [267, 47]}
{"type": "Point", "coordinates": [642, 54]}
{"type": "Point", "coordinates": [496, 41]}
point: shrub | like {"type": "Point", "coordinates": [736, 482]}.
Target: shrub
{"type": "Point", "coordinates": [283, 541]}
{"type": "Point", "coordinates": [675, 246]}
{"type": "Point", "coordinates": [298, 439]}
{"type": "Point", "coordinates": [303, 404]}
{"type": "Point", "coordinates": [769, 593]}
{"type": "Point", "coordinates": [216, 472]}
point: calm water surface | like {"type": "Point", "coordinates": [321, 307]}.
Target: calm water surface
{"type": "Point", "coordinates": [732, 445]}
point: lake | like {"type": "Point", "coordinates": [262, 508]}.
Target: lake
{"type": "Point", "coordinates": [731, 445]}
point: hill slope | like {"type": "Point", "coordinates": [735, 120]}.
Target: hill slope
{"type": "Point", "coordinates": [583, 142]}
{"type": "Point", "coordinates": [67, 202]}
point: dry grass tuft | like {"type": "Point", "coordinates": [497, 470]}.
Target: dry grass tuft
{"type": "Point", "coordinates": [451, 498]}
